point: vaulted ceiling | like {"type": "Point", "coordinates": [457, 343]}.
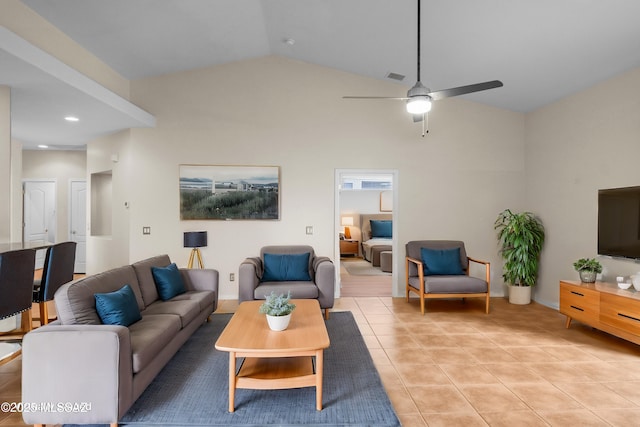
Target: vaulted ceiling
{"type": "Point", "coordinates": [541, 50]}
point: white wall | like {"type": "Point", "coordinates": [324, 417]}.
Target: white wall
{"type": "Point", "coordinates": [276, 111]}
{"type": "Point", "coordinates": [104, 252]}
{"type": "Point", "coordinates": [5, 164]}
{"type": "Point", "coordinates": [16, 191]}
{"type": "Point", "coordinates": [576, 146]}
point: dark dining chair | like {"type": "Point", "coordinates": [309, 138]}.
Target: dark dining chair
{"type": "Point", "coordinates": [59, 263]}
{"type": "Point", "coordinates": [16, 284]}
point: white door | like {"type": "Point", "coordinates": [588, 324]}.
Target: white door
{"type": "Point", "coordinates": [40, 214]}
{"type": "Point", "coordinates": [78, 222]}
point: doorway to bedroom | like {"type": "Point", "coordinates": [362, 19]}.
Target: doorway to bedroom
{"type": "Point", "coordinates": [365, 243]}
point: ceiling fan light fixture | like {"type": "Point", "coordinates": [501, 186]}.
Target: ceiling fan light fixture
{"type": "Point", "coordinates": [419, 105]}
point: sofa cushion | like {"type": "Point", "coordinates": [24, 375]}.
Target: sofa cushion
{"type": "Point", "coordinates": [145, 277]}
{"type": "Point", "coordinates": [75, 302]}
{"type": "Point", "coordinates": [203, 298]}
{"type": "Point", "coordinates": [441, 261]}
{"type": "Point", "coordinates": [186, 310]}
{"type": "Point", "coordinates": [168, 281]}
{"type": "Point", "coordinates": [454, 284]}
{"type": "Point", "coordinates": [299, 290]}
{"type": "Point", "coordinates": [150, 336]}
{"type": "Point", "coordinates": [286, 267]}
{"type": "Point", "coordinates": [118, 307]}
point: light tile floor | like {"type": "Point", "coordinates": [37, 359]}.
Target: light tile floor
{"type": "Point", "coordinates": [517, 366]}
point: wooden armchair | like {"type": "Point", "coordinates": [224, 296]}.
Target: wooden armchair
{"type": "Point", "coordinates": [440, 269]}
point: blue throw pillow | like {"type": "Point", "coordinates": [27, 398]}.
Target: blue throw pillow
{"type": "Point", "coordinates": [381, 228]}
{"type": "Point", "coordinates": [286, 267]}
{"type": "Point", "coordinates": [441, 262]}
{"type": "Point", "coordinates": [118, 308]}
{"type": "Point", "coordinates": [168, 281]}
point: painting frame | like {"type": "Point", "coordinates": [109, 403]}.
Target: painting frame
{"type": "Point", "coordinates": [229, 192]}
{"type": "Point", "coordinates": [386, 201]}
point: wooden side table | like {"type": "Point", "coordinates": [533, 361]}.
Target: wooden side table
{"type": "Point", "coordinates": [349, 247]}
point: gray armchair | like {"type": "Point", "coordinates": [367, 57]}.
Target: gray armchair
{"type": "Point", "coordinates": [443, 281]}
{"type": "Point", "coordinates": [316, 280]}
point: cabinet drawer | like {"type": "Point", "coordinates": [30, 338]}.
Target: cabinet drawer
{"type": "Point", "coordinates": [578, 302]}
{"type": "Point", "coordinates": [622, 313]}
{"type": "Point", "coordinates": [347, 247]}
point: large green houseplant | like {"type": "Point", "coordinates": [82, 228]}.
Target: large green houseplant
{"type": "Point", "coordinates": [521, 236]}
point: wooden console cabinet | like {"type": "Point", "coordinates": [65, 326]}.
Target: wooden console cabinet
{"type": "Point", "coordinates": [604, 306]}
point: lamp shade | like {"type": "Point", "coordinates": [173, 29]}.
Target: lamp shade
{"type": "Point", "coordinates": [195, 239]}
{"type": "Point", "coordinates": [347, 220]}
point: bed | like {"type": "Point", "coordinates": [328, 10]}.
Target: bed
{"type": "Point", "coordinates": [377, 240]}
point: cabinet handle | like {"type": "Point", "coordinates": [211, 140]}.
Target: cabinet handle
{"type": "Point", "coordinates": [582, 309]}
{"type": "Point", "coordinates": [577, 293]}
{"type": "Point", "coordinates": [629, 317]}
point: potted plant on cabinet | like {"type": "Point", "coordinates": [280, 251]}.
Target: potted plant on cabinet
{"type": "Point", "coordinates": [587, 268]}
{"type": "Point", "coordinates": [278, 309]}
{"type": "Point", "coordinates": [521, 236]}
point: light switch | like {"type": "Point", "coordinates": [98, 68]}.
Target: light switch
{"type": "Point", "coordinates": [146, 230]}
{"type": "Point", "coordinates": [309, 229]}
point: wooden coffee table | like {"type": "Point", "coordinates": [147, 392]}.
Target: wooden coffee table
{"type": "Point", "coordinates": [275, 360]}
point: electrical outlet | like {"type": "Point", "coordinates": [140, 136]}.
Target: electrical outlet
{"type": "Point", "coordinates": [146, 230]}
{"type": "Point", "coordinates": [232, 276]}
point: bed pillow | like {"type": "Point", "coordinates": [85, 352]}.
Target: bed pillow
{"type": "Point", "coordinates": [441, 262]}
{"type": "Point", "coordinates": [168, 281]}
{"type": "Point", "coordinates": [381, 228]}
{"type": "Point", "coordinates": [118, 308]}
{"type": "Point", "coordinates": [286, 267]}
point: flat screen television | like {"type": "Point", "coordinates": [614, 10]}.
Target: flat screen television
{"type": "Point", "coordinates": [619, 222]}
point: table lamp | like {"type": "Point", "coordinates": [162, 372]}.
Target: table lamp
{"type": "Point", "coordinates": [347, 221]}
{"type": "Point", "coordinates": [195, 240]}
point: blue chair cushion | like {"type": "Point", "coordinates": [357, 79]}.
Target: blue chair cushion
{"type": "Point", "coordinates": [286, 267]}
{"type": "Point", "coordinates": [118, 308]}
{"type": "Point", "coordinates": [168, 281]}
{"type": "Point", "coordinates": [381, 227]}
{"type": "Point", "coordinates": [441, 262]}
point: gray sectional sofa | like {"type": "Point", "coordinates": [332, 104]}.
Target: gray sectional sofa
{"type": "Point", "coordinates": [79, 360]}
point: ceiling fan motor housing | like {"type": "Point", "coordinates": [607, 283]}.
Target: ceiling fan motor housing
{"type": "Point", "coordinates": [418, 90]}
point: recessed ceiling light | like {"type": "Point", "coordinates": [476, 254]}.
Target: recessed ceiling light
{"type": "Point", "coordinates": [43, 146]}
{"type": "Point", "coordinates": [71, 119]}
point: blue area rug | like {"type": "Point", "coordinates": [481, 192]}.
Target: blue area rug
{"type": "Point", "coordinates": [192, 390]}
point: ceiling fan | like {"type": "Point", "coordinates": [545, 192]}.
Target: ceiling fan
{"type": "Point", "coordinates": [419, 97]}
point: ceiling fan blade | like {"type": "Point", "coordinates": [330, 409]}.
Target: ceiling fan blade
{"type": "Point", "coordinates": [418, 118]}
{"type": "Point", "coordinates": [461, 90]}
{"type": "Point", "coordinates": [373, 97]}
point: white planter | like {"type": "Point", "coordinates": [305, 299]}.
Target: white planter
{"type": "Point", "coordinates": [520, 295]}
{"type": "Point", "coordinates": [278, 323]}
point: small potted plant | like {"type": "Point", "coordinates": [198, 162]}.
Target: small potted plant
{"type": "Point", "coordinates": [278, 309]}
{"type": "Point", "coordinates": [587, 268]}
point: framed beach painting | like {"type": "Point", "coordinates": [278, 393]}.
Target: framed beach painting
{"type": "Point", "coordinates": [229, 192]}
